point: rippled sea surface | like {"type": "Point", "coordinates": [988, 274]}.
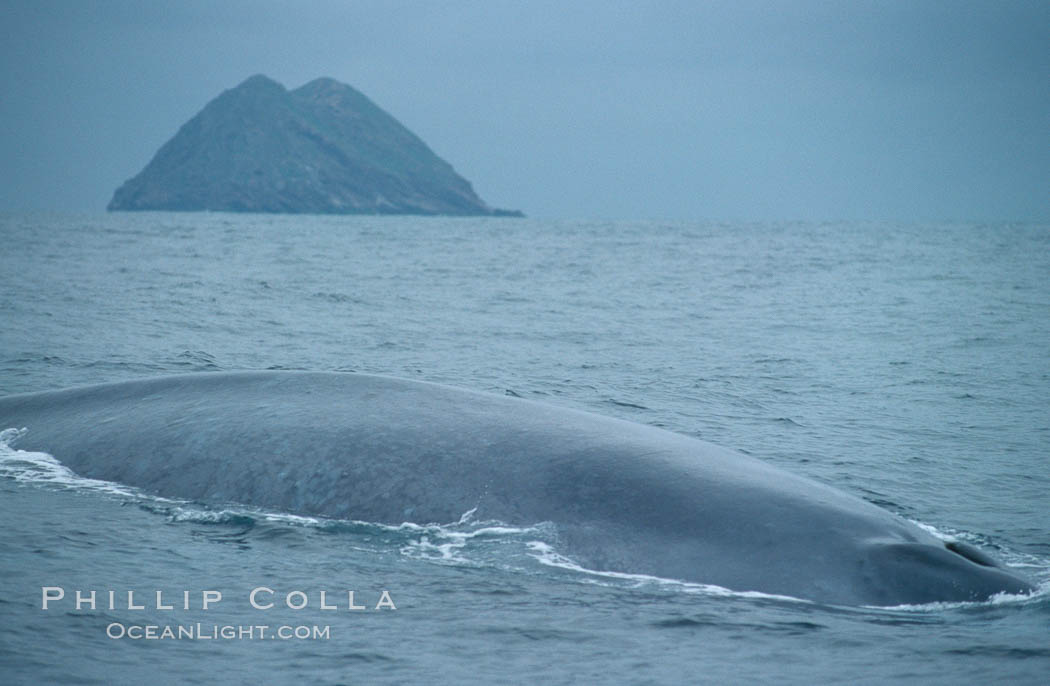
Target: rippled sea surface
{"type": "Point", "coordinates": [906, 364]}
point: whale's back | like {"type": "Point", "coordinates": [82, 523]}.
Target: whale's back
{"type": "Point", "coordinates": [623, 496]}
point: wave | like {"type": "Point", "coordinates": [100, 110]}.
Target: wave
{"type": "Point", "coordinates": [26, 466]}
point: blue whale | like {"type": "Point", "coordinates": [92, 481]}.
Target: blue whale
{"type": "Point", "coordinates": [622, 496]}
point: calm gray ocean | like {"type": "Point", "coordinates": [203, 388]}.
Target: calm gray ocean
{"type": "Point", "coordinates": [908, 364]}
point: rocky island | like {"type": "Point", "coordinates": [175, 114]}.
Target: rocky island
{"type": "Point", "coordinates": [323, 148]}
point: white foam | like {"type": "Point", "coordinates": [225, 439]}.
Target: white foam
{"type": "Point", "coordinates": [449, 543]}
{"type": "Point", "coordinates": [932, 530]}
{"type": "Point", "coordinates": [998, 599]}
{"type": "Point", "coordinates": [545, 554]}
{"type": "Point", "coordinates": [31, 467]}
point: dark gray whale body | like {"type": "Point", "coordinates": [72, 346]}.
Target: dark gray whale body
{"type": "Point", "coordinates": [623, 497]}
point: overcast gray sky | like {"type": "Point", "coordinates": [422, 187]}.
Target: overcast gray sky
{"type": "Point", "coordinates": [912, 110]}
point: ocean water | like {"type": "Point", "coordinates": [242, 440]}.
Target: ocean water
{"type": "Point", "coordinates": [908, 364]}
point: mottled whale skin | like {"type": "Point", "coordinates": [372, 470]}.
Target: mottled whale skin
{"type": "Point", "coordinates": [623, 497]}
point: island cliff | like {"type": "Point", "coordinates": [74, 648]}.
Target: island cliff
{"type": "Point", "coordinates": [323, 148]}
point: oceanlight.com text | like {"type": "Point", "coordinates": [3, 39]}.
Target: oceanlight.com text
{"type": "Point", "coordinates": [208, 632]}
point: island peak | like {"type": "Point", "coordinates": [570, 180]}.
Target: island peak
{"type": "Point", "coordinates": [323, 148]}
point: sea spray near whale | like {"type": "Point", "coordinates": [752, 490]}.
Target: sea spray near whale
{"type": "Point", "coordinates": [623, 497]}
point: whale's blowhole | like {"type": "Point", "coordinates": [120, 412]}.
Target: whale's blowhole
{"type": "Point", "coordinates": [972, 553]}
